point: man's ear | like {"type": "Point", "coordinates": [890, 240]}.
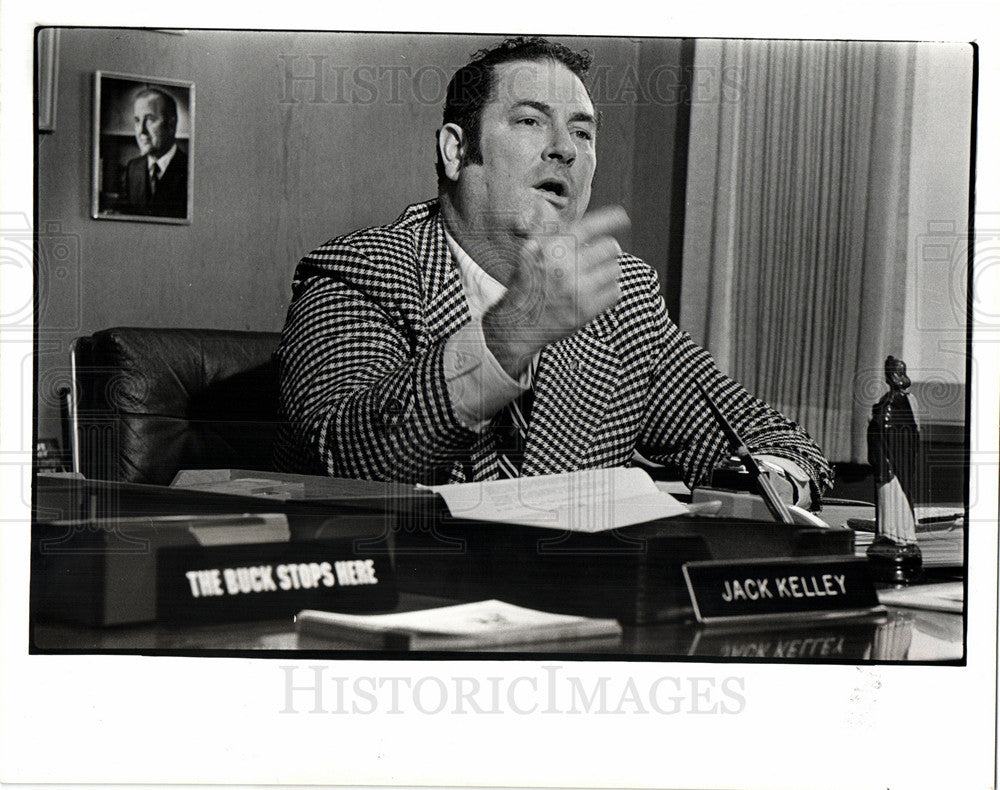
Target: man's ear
{"type": "Point", "coordinates": [451, 147]}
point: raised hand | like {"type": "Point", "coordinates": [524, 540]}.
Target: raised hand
{"type": "Point", "coordinates": [564, 280]}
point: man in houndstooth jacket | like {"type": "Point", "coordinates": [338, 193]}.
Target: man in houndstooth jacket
{"type": "Point", "coordinates": [404, 343]}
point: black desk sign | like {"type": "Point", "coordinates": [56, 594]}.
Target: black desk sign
{"type": "Point", "coordinates": [270, 580]}
{"type": "Point", "coordinates": [789, 588]}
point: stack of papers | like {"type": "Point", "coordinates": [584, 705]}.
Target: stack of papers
{"type": "Point", "coordinates": [591, 500]}
{"type": "Point", "coordinates": [470, 625]}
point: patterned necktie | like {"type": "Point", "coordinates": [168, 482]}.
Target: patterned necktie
{"type": "Point", "coordinates": [510, 426]}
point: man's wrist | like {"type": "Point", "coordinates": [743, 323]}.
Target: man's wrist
{"type": "Point", "coordinates": [510, 345]}
{"type": "Point", "coordinates": [478, 386]}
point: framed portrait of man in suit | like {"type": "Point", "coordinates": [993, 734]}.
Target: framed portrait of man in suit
{"type": "Point", "coordinates": [143, 148]}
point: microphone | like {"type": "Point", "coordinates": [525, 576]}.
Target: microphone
{"type": "Point", "coordinates": [774, 503]}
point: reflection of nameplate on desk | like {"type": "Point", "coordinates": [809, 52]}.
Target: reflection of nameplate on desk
{"type": "Point", "coordinates": [840, 639]}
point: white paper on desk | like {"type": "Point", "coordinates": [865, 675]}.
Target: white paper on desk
{"type": "Point", "coordinates": [591, 500]}
{"type": "Point", "coordinates": [946, 597]}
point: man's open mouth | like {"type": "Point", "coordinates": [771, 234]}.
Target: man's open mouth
{"type": "Point", "coordinates": [554, 187]}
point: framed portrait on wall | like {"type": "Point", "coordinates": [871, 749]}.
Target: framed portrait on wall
{"type": "Point", "coordinates": [143, 148]}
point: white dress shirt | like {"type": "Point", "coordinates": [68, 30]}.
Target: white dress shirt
{"type": "Point", "coordinates": [477, 385]}
{"type": "Point", "coordinates": [162, 162]}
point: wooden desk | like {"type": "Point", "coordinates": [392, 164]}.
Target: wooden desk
{"type": "Point", "coordinates": [898, 635]}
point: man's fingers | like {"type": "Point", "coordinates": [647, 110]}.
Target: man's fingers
{"type": "Point", "coordinates": [601, 250]}
{"type": "Point", "coordinates": [605, 221]}
{"type": "Point", "coordinates": [571, 276]}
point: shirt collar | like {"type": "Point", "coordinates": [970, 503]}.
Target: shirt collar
{"type": "Point", "coordinates": [164, 160]}
{"type": "Point", "coordinates": [482, 291]}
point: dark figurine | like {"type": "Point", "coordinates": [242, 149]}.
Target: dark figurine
{"type": "Point", "coordinates": [893, 447]}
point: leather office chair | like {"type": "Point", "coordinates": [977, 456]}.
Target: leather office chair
{"type": "Point", "coordinates": [147, 403]}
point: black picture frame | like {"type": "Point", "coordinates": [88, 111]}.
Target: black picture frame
{"type": "Point", "coordinates": [119, 192]}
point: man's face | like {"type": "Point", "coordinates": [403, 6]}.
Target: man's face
{"type": "Point", "coordinates": [537, 140]}
{"type": "Point", "coordinates": [154, 129]}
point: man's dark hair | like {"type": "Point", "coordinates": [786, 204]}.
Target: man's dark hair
{"type": "Point", "coordinates": [169, 102]}
{"type": "Point", "coordinates": [471, 85]}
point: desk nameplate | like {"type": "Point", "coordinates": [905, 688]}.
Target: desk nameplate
{"type": "Point", "coordinates": [269, 581]}
{"type": "Point", "coordinates": [782, 588]}
{"type": "Point", "coordinates": [111, 572]}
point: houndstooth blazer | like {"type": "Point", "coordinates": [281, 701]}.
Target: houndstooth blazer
{"type": "Point", "coordinates": [363, 390]}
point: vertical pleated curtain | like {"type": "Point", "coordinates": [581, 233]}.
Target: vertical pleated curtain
{"type": "Point", "coordinates": [796, 227]}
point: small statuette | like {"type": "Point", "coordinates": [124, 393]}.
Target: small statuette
{"type": "Point", "coordinates": [893, 446]}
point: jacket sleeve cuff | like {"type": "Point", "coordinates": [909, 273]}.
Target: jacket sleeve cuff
{"type": "Point", "coordinates": [796, 489]}
{"type": "Point", "coordinates": [478, 387]}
